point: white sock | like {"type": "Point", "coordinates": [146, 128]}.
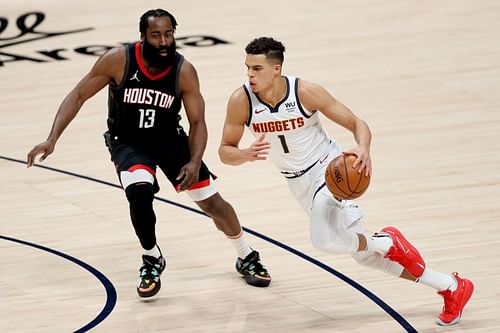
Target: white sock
{"type": "Point", "coordinates": [154, 252]}
{"type": "Point", "coordinates": [438, 281]}
{"type": "Point", "coordinates": [241, 245]}
{"type": "Point", "coordinates": [379, 242]}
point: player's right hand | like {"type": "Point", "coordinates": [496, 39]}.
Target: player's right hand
{"type": "Point", "coordinates": [258, 150]}
{"type": "Point", "coordinates": [45, 148]}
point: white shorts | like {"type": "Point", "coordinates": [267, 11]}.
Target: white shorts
{"type": "Point", "coordinates": [334, 224]}
{"type": "Point", "coordinates": [305, 187]}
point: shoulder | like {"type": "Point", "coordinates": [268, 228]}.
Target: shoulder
{"type": "Point", "coordinates": [311, 92]}
{"type": "Point", "coordinates": [116, 54]}
{"type": "Point", "coordinates": [188, 77]}
{"type": "Point", "coordinates": [238, 96]}
{"type": "Point", "coordinates": [238, 107]}
{"type": "Point", "coordinates": [112, 61]}
{"type": "Point", "coordinates": [187, 69]}
{"type": "Point", "coordinates": [307, 87]}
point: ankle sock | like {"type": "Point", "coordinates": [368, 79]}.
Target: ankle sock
{"type": "Point", "coordinates": [241, 245]}
{"type": "Point", "coordinates": [438, 281]}
{"type": "Point", "coordinates": [154, 252]}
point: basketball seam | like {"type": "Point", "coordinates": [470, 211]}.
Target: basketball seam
{"type": "Point", "coordinates": [347, 177]}
{"type": "Point", "coordinates": [347, 195]}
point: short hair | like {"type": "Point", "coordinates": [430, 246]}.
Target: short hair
{"type": "Point", "coordinates": [143, 23]}
{"type": "Point", "coordinates": [270, 47]}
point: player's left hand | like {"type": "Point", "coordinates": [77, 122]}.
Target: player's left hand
{"type": "Point", "coordinates": [189, 175]}
{"type": "Point", "coordinates": [363, 161]}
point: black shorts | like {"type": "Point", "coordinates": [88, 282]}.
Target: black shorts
{"type": "Point", "coordinates": [169, 157]}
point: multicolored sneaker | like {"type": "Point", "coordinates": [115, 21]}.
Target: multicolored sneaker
{"type": "Point", "coordinates": [253, 271]}
{"type": "Point", "coordinates": [404, 253]}
{"type": "Point", "coordinates": [454, 302]}
{"type": "Point", "coordinates": [149, 277]}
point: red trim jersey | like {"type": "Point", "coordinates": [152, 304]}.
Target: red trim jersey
{"type": "Point", "coordinates": [144, 108]}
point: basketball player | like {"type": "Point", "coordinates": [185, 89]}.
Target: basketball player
{"type": "Point", "coordinates": [148, 82]}
{"type": "Point", "coordinates": [282, 113]}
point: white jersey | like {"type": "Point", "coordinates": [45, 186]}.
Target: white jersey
{"type": "Point", "coordinates": [302, 151]}
{"type": "Point", "coordinates": [295, 133]}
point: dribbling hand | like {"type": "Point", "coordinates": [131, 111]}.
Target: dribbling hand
{"type": "Point", "coordinates": [363, 161]}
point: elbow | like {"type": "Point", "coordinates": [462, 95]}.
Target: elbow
{"type": "Point", "coordinates": [223, 154]}
{"type": "Point", "coordinates": [227, 155]}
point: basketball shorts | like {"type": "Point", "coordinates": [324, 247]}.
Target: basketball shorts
{"type": "Point", "coordinates": [134, 164]}
{"type": "Point", "coordinates": [334, 224]}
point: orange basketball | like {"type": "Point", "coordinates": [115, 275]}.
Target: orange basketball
{"type": "Point", "coordinates": [343, 180]}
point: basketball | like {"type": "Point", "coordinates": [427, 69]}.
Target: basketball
{"type": "Point", "coordinates": [343, 180]}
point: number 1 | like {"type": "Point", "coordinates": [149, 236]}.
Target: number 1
{"type": "Point", "coordinates": [283, 144]}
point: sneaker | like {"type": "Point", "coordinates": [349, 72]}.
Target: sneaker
{"type": "Point", "coordinates": [149, 277]}
{"type": "Point", "coordinates": [253, 271]}
{"type": "Point", "coordinates": [404, 253]}
{"type": "Point", "coordinates": [454, 302]}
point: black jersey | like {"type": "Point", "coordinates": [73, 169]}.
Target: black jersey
{"type": "Point", "coordinates": [144, 109]}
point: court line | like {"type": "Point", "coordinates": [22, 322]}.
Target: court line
{"type": "Point", "coordinates": [374, 298]}
{"type": "Point", "coordinates": [108, 286]}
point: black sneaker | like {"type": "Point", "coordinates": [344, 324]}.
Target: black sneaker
{"type": "Point", "coordinates": [149, 277]}
{"type": "Point", "coordinates": [253, 271]}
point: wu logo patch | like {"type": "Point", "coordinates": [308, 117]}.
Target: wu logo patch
{"type": "Point", "coordinates": [290, 106]}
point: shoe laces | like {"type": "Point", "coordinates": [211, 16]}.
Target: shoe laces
{"type": "Point", "coordinates": [151, 269]}
{"type": "Point", "coordinates": [450, 306]}
{"type": "Point", "coordinates": [254, 264]}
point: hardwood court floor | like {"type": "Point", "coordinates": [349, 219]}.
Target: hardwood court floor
{"type": "Point", "coordinates": [424, 75]}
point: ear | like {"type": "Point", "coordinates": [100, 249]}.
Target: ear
{"type": "Point", "coordinates": [142, 37]}
{"type": "Point", "coordinates": [277, 67]}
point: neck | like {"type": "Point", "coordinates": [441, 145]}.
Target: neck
{"type": "Point", "coordinates": [276, 93]}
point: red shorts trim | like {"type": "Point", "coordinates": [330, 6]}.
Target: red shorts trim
{"type": "Point", "coordinates": [198, 185]}
{"type": "Point", "coordinates": [142, 166]}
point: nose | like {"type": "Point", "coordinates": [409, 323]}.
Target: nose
{"type": "Point", "coordinates": [249, 73]}
{"type": "Point", "coordinates": [163, 41]}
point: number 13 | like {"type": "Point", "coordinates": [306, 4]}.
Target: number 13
{"type": "Point", "coordinates": [147, 118]}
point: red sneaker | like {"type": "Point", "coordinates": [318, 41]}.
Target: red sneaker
{"type": "Point", "coordinates": [454, 302]}
{"type": "Point", "coordinates": [404, 253]}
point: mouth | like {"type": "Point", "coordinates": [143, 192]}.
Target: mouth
{"type": "Point", "coordinates": [163, 53]}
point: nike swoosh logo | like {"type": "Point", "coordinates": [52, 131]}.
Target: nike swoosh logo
{"type": "Point", "coordinates": [405, 250]}
{"type": "Point", "coordinates": [259, 111]}
{"type": "Point", "coordinates": [324, 158]}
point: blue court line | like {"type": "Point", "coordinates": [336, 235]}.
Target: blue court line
{"type": "Point", "coordinates": [108, 286]}
{"type": "Point", "coordinates": [390, 311]}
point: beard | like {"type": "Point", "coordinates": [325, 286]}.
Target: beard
{"type": "Point", "coordinates": [153, 56]}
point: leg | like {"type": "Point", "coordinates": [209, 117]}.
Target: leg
{"type": "Point", "coordinates": [222, 213]}
{"type": "Point", "coordinates": [337, 229]}
{"type": "Point", "coordinates": [140, 196]}
{"type": "Point", "coordinates": [225, 219]}
{"type": "Point", "coordinates": [455, 291]}
{"type": "Point", "coordinates": [137, 176]}
{"type": "Point", "coordinates": [333, 225]}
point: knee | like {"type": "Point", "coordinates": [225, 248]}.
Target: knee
{"type": "Point", "coordinates": [328, 244]}
{"type": "Point", "coordinates": [319, 242]}
{"type": "Point", "coordinates": [139, 194]}
{"type": "Point", "coordinates": [368, 258]}
{"type": "Point", "coordinates": [215, 206]}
